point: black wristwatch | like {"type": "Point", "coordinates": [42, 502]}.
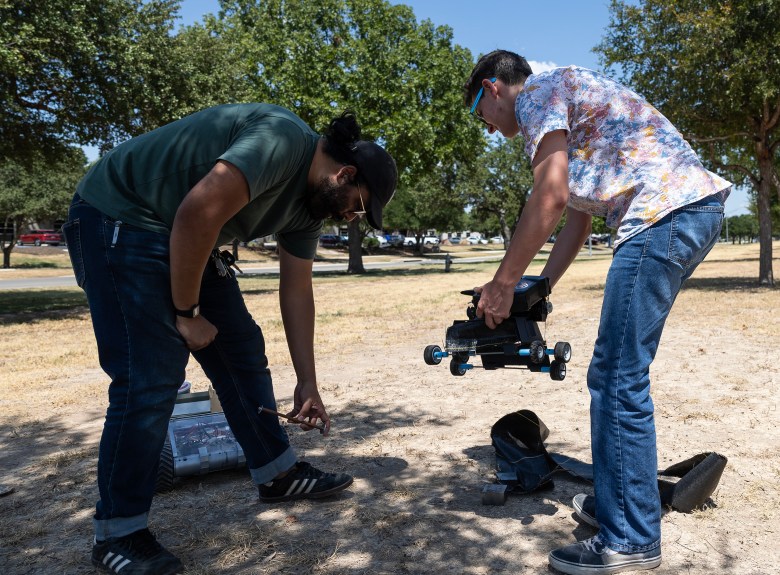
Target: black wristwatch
{"type": "Point", "coordinates": [194, 311]}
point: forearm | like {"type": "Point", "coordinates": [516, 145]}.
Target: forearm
{"type": "Point", "coordinates": [567, 245]}
{"type": "Point", "coordinates": [296, 301]}
{"type": "Point", "coordinates": [543, 210]}
{"type": "Point", "coordinates": [199, 219]}
{"type": "Point", "coordinates": [298, 319]}
{"type": "Point", "coordinates": [191, 244]}
{"type": "Point", "coordinates": [540, 216]}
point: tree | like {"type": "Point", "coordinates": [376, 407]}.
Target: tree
{"type": "Point", "coordinates": [368, 56]}
{"type": "Point", "coordinates": [500, 183]}
{"type": "Point", "coordinates": [36, 190]}
{"type": "Point", "coordinates": [87, 72]}
{"type": "Point", "coordinates": [713, 68]}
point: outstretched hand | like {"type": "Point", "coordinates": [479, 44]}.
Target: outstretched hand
{"type": "Point", "coordinates": [308, 407]}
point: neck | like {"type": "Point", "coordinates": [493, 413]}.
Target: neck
{"type": "Point", "coordinates": [321, 165]}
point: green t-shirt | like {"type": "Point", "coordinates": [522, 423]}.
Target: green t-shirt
{"type": "Point", "coordinates": [144, 180]}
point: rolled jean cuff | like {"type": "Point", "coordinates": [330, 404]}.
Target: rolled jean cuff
{"type": "Point", "coordinates": [270, 470]}
{"type": "Point", "coordinates": [620, 548]}
{"type": "Point", "coordinates": [119, 526]}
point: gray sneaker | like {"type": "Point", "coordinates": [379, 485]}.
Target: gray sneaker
{"type": "Point", "coordinates": [585, 508]}
{"type": "Point", "coordinates": [591, 557]}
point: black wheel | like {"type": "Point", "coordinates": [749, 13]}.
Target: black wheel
{"type": "Point", "coordinates": [165, 470]}
{"type": "Point", "coordinates": [558, 370]}
{"type": "Point", "coordinates": [455, 367]}
{"type": "Point", "coordinates": [19, 243]}
{"type": "Point", "coordinates": [429, 355]}
{"type": "Point", "coordinates": [563, 351]}
{"type": "Point", "coordinates": [37, 242]}
{"type": "Point", "coordinates": [537, 351]}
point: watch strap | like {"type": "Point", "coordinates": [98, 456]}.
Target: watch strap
{"type": "Point", "coordinates": [194, 311]}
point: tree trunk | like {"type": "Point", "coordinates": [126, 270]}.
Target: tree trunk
{"type": "Point", "coordinates": [765, 275]}
{"type": "Point", "coordinates": [505, 231]}
{"type": "Point", "coordinates": [355, 265]}
{"type": "Point", "coordinates": [7, 255]}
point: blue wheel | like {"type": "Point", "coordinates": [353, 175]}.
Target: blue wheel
{"type": "Point", "coordinates": [429, 355]}
{"type": "Point", "coordinates": [455, 367]}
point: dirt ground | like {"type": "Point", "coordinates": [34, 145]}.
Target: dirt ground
{"type": "Point", "coordinates": [416, 438]}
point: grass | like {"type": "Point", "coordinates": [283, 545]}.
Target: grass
{"type": "Point", "coordinates": [40, 301]}
{"type": "Point", "coordinates": [416, 439]}
{"type": "Point", "coordinates": [26, 261]}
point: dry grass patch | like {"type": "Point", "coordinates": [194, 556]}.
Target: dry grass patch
{"type": "Point", "coordinates": [416, 438]}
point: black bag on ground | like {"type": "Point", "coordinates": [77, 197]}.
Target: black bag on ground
{"type": "Point", "coordinates": [524, 464]}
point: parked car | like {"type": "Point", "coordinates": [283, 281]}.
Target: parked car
{"type": "Point", "coordinates": [496, 240]}
{"type": "Point", "coordinates": [454, 240]}
{"type": "Point", "coordinates": [474, 240]}
{"type": "Point", "coordinates": [431, 240]}
{"type": "Point", "coordinates": [410, 241]}
{"type": "Point", "coordinates": [396, 239]}
{"type": "Point", "coordinates": [38, 237]}
{"type": "Point", "coordinates": [330, 241]}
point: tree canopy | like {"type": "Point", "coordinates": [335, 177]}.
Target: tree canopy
{"type": "Point", "coordinates": [96, 72]}
{"type": "Point", "coordinates": [37, 190]}
{"type": "Point", "coordinates": [87, 72]}
{"type": "Point", "coordinates": [713, 68]}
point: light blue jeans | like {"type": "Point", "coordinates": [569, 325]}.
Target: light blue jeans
{"type": "Point", "coordinates": [644, 279]}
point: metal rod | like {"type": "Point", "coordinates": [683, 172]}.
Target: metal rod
{"type": "Point", "coordinates": [320, 426]}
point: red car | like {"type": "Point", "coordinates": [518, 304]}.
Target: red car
{"type": "Point", "coordinates": [38, 237]}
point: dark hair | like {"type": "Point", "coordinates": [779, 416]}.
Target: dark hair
{"type": "Point", "coordinates": [341, 138]}
{"type": "Point", "coordinates": [507, 66]}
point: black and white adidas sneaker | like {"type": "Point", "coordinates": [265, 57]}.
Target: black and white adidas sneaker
{"type": "Point", "coordinates": [304, 482]}
{"type": "Point", "coordinates": [136, 554]}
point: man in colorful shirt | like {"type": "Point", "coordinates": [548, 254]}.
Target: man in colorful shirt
{"type": "Point", "coordinates": [598, 148]}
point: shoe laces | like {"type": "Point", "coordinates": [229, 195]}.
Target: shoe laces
{"type": "Point", "coordinates": [142, 543]}
{"type": "Point", "coordinates": [305, 470]}
{"type": "Point", "coordinates": [595, 545]}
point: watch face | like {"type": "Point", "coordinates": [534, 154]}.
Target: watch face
{"type": "Point", "coordinates": [194, 311]}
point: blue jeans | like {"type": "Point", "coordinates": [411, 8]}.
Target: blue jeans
{"type": "Point", "coordinates": [643, 281]}
{"type": "Point", "coordinates": [125, 272]}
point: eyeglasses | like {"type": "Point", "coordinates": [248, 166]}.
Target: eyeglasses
{"type": "Point", "coordinates": [476, 101]}
{"type": "Point", "coordinates": [357, 213]}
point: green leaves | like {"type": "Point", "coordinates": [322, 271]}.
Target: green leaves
{"type": "Point", "coordinates": [713, 68]}
{"type": "Point", "coordinates": [400, 77]}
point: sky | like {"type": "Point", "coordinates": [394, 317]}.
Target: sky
{"type": "Point", "coordinates": [547, 33]}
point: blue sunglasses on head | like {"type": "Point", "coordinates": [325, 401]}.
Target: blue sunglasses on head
{"type": "Point", "coordinates": [476, 101]}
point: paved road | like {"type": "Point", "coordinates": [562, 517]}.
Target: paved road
{"type": "Point", "coordinates": [70, 281]}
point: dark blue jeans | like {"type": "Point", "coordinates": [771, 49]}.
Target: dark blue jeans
{"type": "Point", "coordinates": [125, 272]}
{"type": "Point", "coordinates": [644, 279]}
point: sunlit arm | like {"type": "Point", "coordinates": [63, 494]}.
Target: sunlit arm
{"type": "Point", "coordinates": [200, 217]}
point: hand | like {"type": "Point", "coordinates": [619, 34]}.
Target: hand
{"type": "Point", "coordinates": [494, 303]}
{"type": "Point", "coordinates": [198, 332]}
{"type": "Point", "coordinates": [308, 407]}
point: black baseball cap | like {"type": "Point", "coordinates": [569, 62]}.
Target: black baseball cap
{"type": "Point", "coordinates": [377, 169]}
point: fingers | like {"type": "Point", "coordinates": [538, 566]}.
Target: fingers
{"type": "Point", "coordinates": [198, 332]}
{"type": "Point", "coordinates": [310, 413]}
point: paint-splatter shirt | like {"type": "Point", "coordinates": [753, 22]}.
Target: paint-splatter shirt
{"type": "Point", "coordinates": [627, 162]}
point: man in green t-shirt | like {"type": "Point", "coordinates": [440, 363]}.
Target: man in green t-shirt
{"type": "Point", "coordinates": [142, 231]}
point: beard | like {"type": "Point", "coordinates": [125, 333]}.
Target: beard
{"type": "Point", "coordinates": [328, 200]}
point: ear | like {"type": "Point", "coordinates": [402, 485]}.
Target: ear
{"type": "Point", "coordinates": [346, 174]}
{"type": "Point", "coordinates": [490, 87]}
